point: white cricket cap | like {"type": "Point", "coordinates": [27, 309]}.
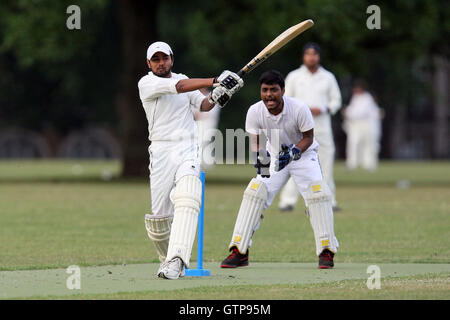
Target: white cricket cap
{"type": "Point", "coordinates": [158, 46]}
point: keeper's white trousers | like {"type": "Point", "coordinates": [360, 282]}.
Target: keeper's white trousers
{"type": "Point", "coordinates": [303, 172]}
{"type": "Point", "coordinates": [169, 161]}
{"type": "Point", "coordinates": [289, 194]}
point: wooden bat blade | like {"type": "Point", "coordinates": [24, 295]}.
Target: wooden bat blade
{"type": "Point", "coordinates": [276, 44]}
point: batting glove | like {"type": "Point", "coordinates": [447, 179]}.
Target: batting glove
{"type": "Point", "coordinates": [286, 155]}
{"type": "Point", "coordinates": [228, 84]}
{"type": "Point", "coordinates": [219, 96]}
{"type": "Point", "coordinates": [262, 164]}
{"type": "Point", "coordinates": [231, 81]}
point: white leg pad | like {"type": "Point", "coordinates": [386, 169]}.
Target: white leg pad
{"type": "Point", "coordinates": [249, 216]}
{"type": "Point", "coordinates": [187, 200]}
{"type": "Point", "coordinates": [318, 197]}
{"type": "Point", "coordinates": [158, 230]}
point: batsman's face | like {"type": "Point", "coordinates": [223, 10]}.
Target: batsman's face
{"type": "Point", "coordinates": [311, 58]}
{"type": "Point", "coordinates": [161, 64]}
{"type": "Point", "coordinates": [272, 96]}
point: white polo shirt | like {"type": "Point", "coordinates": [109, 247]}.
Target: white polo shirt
{"type": "Point", "coordinates": [319, 89]}
{"type": "Point", "coordinates": [168, 112]}
{"type": "Point", "coordinates": [362, 106]}
{"type": "Point", "coordinates": [285, 127]}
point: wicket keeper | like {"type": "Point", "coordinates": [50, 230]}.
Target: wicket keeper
{"type": "Point", "coordinates": [290, 151]}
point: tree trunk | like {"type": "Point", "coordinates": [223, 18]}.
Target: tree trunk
{"type": "Point", "coordinates": [398, 132]}
{"type": "Point", "coordinates": [441, 102]}
{"type": "Point", "coordinates": [137, 21]}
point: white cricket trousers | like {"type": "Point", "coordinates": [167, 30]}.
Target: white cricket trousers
{"type": "Point", "coordinates": [170, 161]}
{"type": "Point", "coordinates": [362, 144]}
{"type": "Point", "coordinates": [303, 172]}
{"type": "Point", "coordinates": [289, 194]}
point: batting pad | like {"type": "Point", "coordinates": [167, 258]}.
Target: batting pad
{"type": "Point", "coordinates": [187, 200]}
{"type": "Point", "coordinates": [158, 230]}
{"type": "Point", "coordinates": [249, 216]}
{"type": "Point", "coordinates": [318, 197]}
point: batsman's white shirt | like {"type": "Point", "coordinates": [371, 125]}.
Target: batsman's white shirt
{"type": "Point", "coordinates": [172, 131]}
{"type": "Point", "coordinates": [169, 115]}
{"type": "Point", "coordinates": [286, 127]}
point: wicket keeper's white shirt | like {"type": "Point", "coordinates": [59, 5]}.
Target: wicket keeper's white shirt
{"type": "Point", "coordinates": [285, 127]}
{"type": "Point", "coordinates": [317, 90]}
{"type": "Point", "coordinates": [169, 113]}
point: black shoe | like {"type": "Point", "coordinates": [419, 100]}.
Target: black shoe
{"type": "Point", "coordinates": [336, 208]}
{"type": "Point", "coordinates": [287, 208]}
{"type": "Point", "coordinates": [235, 259]}
{"type": "Point", "coordinates": [326, 259]}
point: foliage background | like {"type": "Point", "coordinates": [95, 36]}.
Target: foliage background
{"type": "Point", "coordinates": [53, 80]}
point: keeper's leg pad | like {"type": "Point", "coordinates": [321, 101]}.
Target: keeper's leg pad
{"type": "Point", "coordinates": [158, 230]}
{"type": "Point", "coordinates": [318, 197]}
{"type": "Point", "coordinates": [187, 200]}
{"type": "Point", "coordinates": [249, 216]}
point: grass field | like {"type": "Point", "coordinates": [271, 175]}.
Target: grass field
{"type": "Point", "coordinates": [59, 213]}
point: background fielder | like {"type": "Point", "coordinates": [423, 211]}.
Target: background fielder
{"type": "Point", "coordinates": [175, 187]}
{"type": "Point", "coordinates": [288, 125]}
{"type": "Point", "coordinates": [362, 123]}
{"type": "Point", "coordinates": [318, 88]}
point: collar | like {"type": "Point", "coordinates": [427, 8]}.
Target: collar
{"type": "Point", "coordinates": [278, 116]}
{"type": "Point", "coordinates": [152, 74]}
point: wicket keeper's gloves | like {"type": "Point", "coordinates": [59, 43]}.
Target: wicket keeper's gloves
{"type": "Point", "coordinates": [286, 155]}
{"type": "Point", "coordinates": [262, 164]}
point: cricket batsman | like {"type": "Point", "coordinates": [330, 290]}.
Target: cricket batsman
{"type": "Point", "coordinates": [290, 152]}
{"type": "Point", "coordinates": [175, 187]}
{"type": "Point", "coordinates": [318, 88]}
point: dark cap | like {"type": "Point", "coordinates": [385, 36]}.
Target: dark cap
{"type": "Point", "coordinates": [311, 45]}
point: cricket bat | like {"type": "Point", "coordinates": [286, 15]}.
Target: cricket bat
{"type": "Point", "coordinates": [275, 45]}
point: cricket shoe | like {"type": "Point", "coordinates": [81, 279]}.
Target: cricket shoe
{"type": "Point", "coordinates": [235, 259]}
{"type": "Point", "coordinates": [326, 259]}
{"type": "Point", "coordinates": [172, 269]}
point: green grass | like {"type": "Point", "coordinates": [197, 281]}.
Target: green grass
{"type": "Point", "coordinates": [423, 287]}
{"type": "Point", "coordinates": [58, 213]}
{"type": "Point", "coordinates": [58, 170]}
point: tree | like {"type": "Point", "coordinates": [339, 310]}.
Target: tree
{"type": "Point", "coordinates": [72, 80]}
{"type": "Point", "coordinates": [67, 79]}
{"type": "Point", "coordinates": [138, 27]}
